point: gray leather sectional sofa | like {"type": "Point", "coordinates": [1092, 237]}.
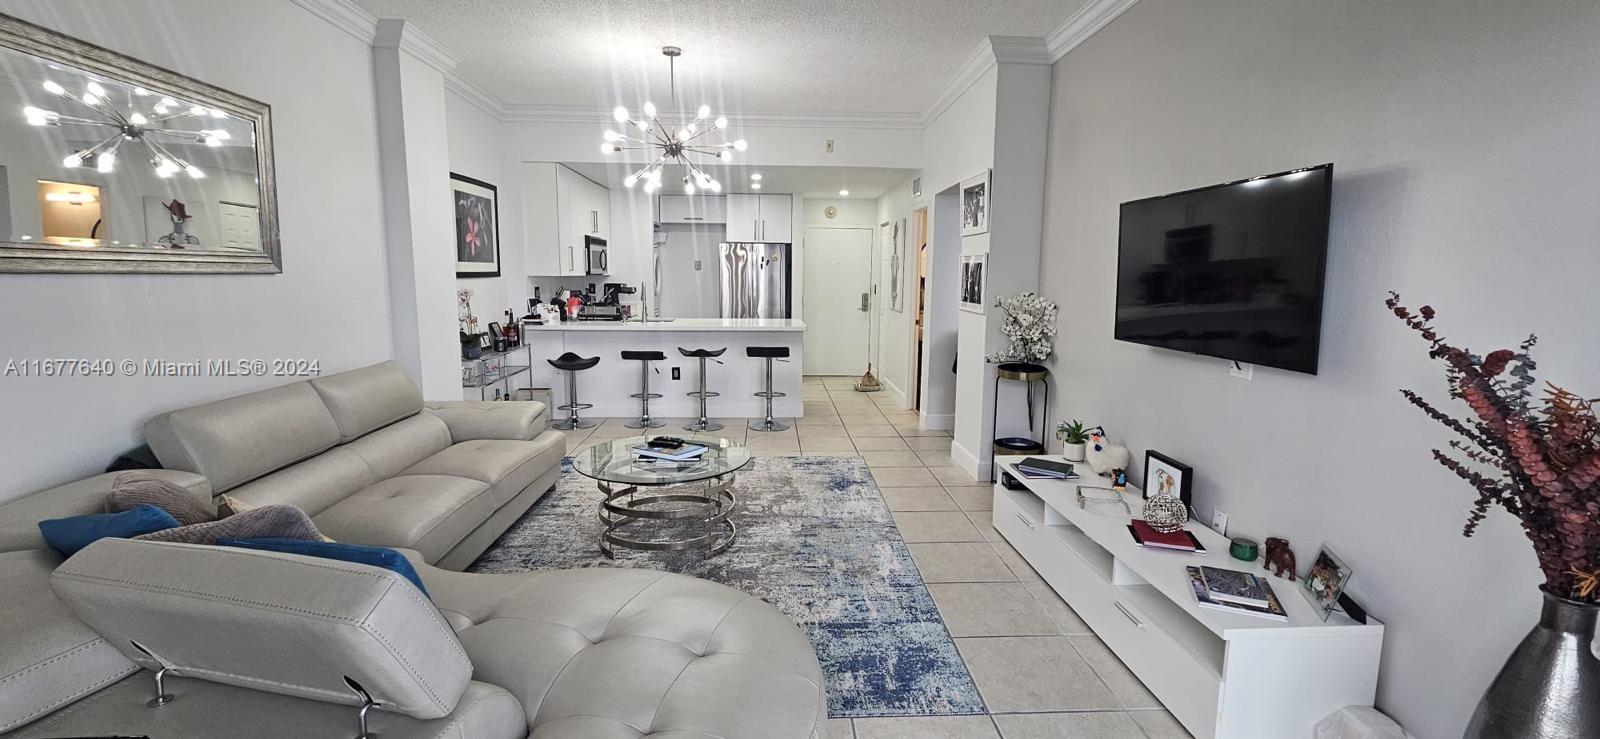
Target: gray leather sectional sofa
{"type": "Point", "coordinates": [260, 644]}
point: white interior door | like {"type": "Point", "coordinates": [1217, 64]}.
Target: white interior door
{"type": "Point", "coordinates": [241, 226]}
{"type": "Point", "coordinates": [838, 280]}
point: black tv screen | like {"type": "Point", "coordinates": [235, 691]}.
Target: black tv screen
{"type": "Point", "coordinates": [1232, 271]}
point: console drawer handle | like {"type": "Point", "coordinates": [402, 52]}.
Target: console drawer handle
{"type": "Point", "coordinates": [1129, 614]}
{"type": "Point", "coordinates": [1024, 520]}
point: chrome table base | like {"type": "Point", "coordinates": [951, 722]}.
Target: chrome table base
{"type": "Point", "coordinates": [711, 503]}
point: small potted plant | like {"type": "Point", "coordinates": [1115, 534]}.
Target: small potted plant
{"type": "Point", "coordinates": [1073, 436]}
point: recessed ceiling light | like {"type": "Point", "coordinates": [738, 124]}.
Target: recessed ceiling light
{"type": "Point", "coordinates": [755, 177]}
{"type": "Point", "coordinates": [755, 186]}
{"type": "Point", "coordinates": [844, 193]}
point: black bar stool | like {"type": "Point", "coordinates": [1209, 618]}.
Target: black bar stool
{"type": "Point", "coordinates": [572, 364]}
{"type": "Point", "coordinates": [703, 423]}
{"type": "Point", "coordinates": [644, 358]}
{"type": "Point", "coordinates": [771, 354]}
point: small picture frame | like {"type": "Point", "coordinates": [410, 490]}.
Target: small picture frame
{"type": "Point", "coordinates": [975, 204]}
{"type": "Point", "coordinates": [1325, 581]}
{"type": "Point", "coordinates": [972, 288]}
{"type": "Point", "coordinates": [1164, 475]}
{"type": "Point", "coordinates": [494, 331]}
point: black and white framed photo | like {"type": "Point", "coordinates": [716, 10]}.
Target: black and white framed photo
{"type": "Point", "coordinates": [477, 209]}
{"type": "Point", "coordinates": [1164, 475]}
{"type": "Point", "coordinates": [1326, 581]}
{"type": "Point", "coordinates": [975, 204]}
{"type": "Point", "coordinates": [972, 282]}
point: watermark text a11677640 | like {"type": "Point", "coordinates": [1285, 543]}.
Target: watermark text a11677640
{"type": "Point", "coordinates": [152, 367]}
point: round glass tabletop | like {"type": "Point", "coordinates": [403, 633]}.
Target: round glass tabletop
{"type": "Point", "coordinates": [616, 461]}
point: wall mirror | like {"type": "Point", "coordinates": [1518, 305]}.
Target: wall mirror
{"type": "Point", "coordinates": [110, 164]}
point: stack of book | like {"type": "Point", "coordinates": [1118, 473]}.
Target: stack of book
{"type": "Point", "coordinates": [1181, 540]}
{"type": "Point", "coordinates": [1235, 591]}
{"type": "Point", "coordinates": [664, 458]}
{"type": "Point", "coordinates": [1046, 469]}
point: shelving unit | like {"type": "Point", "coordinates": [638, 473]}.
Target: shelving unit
{"type": "Point", "coordinates": [493, 370]}
{"type": "Point", "coordinates": [1219, 673]}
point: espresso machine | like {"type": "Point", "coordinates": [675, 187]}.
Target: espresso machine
{"type": "Point", "coordinates": [609, 305]}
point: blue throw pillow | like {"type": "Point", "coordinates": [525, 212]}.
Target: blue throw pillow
{"type": "Point", "coordinates": [384, 557]}
{"type": "Point", "coordinates": [68, 535]}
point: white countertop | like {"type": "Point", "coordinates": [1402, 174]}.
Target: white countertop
{"type": "Point", "coordinates": [678, 324]}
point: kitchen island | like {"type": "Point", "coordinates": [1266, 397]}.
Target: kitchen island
{"type": "Point", "coordinates": [608, 384]}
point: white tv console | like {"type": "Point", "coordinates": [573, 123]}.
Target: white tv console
{"type": "Point", "coordinates": [1220, 674]}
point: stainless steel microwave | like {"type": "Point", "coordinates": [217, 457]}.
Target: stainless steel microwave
{"type": "Point", "coordinates": [594, 254]}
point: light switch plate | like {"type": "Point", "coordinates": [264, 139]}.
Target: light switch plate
{"type": "Point", "coordinates": [1219, 522]}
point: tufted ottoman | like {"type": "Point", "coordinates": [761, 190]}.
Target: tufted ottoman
{"type": "Point", "coordinates": [601, 653]}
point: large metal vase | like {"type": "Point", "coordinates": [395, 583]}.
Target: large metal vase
{"type": "Point", "coordinates": [1550, 686]}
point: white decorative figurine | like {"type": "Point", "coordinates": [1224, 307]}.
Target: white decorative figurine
{"type": "Point", "coordinates": [1103, 456]}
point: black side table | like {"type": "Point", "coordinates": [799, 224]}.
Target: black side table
{"type": "Point", "coordinates": [1027, 373]}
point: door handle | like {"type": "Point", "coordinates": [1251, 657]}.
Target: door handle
{"type": "Point", "coordinates": [1129, 614]}
{"type": "Point", "coordinates": [865, 302]}
{"type": "Point", "coordinates": [763, 229]}
{"type": "Point", "coordinates": [594, 220]}
{"type": "Point", "coordinates": [572, 261]}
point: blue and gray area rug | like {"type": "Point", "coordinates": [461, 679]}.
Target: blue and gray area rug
{"type": "Point", "coordinates": [815, 540]}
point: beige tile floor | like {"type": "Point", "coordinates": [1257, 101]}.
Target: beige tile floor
{"type": "Point", "coordinates": [1038, 667]}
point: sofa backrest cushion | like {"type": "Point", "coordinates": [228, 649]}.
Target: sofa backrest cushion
{"type": "Point", "coordinates": [279, 623]}
{"type": "Point", "coordinates": [48, 659]}
{"type": "Point", "coordinates": [236, 440]}
{"type": "Point", "coordinates": [366, 399]}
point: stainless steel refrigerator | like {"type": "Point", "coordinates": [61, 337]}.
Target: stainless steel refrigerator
{"type": "Point", "coordinates": [755, 280]}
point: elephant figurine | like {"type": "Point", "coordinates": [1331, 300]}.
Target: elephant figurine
{"type": "Point", "coordinates": [1278, 557]}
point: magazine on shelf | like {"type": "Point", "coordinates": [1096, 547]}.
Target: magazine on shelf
{"type": "Point", "coordinates": [1236, 587]}
{"type": "Point", "coordinates": [1273, 610]}
{"type": "Point", "coordinates": [686, 453]}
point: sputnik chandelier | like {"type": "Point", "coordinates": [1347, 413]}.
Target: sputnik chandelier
{"type": "Point", "coordinates": [133, 127]}
{"type": "Point", "coordinates": [675, 143]}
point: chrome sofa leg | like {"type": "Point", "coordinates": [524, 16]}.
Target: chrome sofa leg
{"type": "Point", "coordinates": [162, 697]}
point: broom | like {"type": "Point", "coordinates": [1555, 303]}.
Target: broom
{"type": "Point", "coordinates": [869, 382]}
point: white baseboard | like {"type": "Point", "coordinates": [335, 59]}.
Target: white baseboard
{"type": "Point", "coordinates": [969, 462]}
{"type": "Point", "coordinates": [938, 421]}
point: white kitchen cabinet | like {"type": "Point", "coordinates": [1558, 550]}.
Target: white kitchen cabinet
{"type": "Point", "coordinates": [760, 218]}
{"type": "Point", "coordinates": [559, 208]}
{"type": "Point", "coordinates": [691, 209]}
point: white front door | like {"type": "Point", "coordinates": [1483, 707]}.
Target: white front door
{"type": "Point", "coordinates": [838, 279]}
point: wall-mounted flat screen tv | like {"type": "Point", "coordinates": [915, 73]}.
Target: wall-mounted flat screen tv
{"type": "Point", "coordinates": [1232, 271]}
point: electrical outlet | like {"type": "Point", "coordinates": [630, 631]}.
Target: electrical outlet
{"type": "Point", "coordinates": [1241, 370]}
{"type": "Point", "coordinates": [829, 147]}
{"type": "Point", "coordinates": [1219, 521]}
{"type": "Point", "coordinates": [677, 373]}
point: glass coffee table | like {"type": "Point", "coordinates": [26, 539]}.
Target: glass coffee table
{"type": "Point", "coordinates": [686, 508]}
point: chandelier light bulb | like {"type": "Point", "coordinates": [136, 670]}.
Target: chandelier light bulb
{"type": "Point", "coordinates": [716, 186]}
{"type": "Point", "coordinates": [138, 119]}
{"type": "Point", "coordinates": [693, 128]}
{"type": "Point", "coordinates": [607, 148]}
{"type": "Point", "coordinates": [755, 177]}
{"type": "Point", "coordinates": [40, 116]}
{"type": "Point", "coordinates": [630, 181]}
{"type": "Point", "coordinates": [54, 88]}
{"type": "Point", "coordinates": [211, 141]}
{"type": "Point", "coordinates": [611, 135]}
{"type": "Point", "coordinates": [722, 121]}
{"type": "Point", "coordinates": [740, 145]}
{"type": "Point", "coordinates": [620, 115]}
{"type": "Point", "coordinates": [683, 134]}
{"type": "Point", "coordinates": [688, 188]}
{"type": "Point", "coordinates": [194, 172]}
{"type": "Point", "coordinates": [90, 100]}
{"type": "Point", "coordinates": [703, 112]}
{"type": "Point", "coordinates": [95, 89]}
{"type": "Point", "coordinates": [197, 110]}
{"type": "Point", "coordinates": [650, 110]}
{"type": "Point", "coordinates": [73, 160]}
{"type": "Point", "coordinates": [105, 162]}
{"type": "Point", "coordinates": [165, 168]}
{"type": "Point", "coordinates": [725, 155]}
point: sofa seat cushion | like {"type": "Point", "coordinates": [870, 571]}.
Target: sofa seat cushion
{"type": "Point", "coordinates": [428, 513]}
{"type": "Point", "coordinates": [507, 466]}
{"type": "Point", "coordinates": [621, 652]}
{"type": "Point", "coordinates": [48, 658]}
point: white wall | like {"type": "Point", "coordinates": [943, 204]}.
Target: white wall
{"type": "Point", "coordinates": [1463, 141]}
{"type": "Point", "coordinates": [475, 142]}
{"type": "Point", "coordinates": [895, 328]}
{"type": "Point", "coordinates": [330, 303]}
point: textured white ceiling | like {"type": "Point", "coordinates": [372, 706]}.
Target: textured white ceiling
{"type": "Point", "coordinates": [750, 56]}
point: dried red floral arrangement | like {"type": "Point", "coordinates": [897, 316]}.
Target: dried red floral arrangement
{"type": "Point", "coordinates": [1544, 453]}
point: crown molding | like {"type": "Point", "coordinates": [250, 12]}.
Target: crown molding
{"type": "Point", "coordinates": [487, 101]}
{"type": "Point", "coordinates": [1089, 19]}
{"type": "Point", "coordinates": [345, 16]}
{"type": "Point", "coordinates": [1020, 50]}
{"type": "Point", "coordinates": [978, 62]}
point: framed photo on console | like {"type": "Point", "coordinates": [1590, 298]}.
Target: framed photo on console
{"type": "Point", "coordinates": [1164, 475]}
{"type": "Point", "coordinates": [477, 209]}
{"type": "Point", "coordinates": [1326, 581]}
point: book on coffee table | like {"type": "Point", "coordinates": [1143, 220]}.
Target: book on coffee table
{"type": "Point", "coordinates": [683, 454]}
